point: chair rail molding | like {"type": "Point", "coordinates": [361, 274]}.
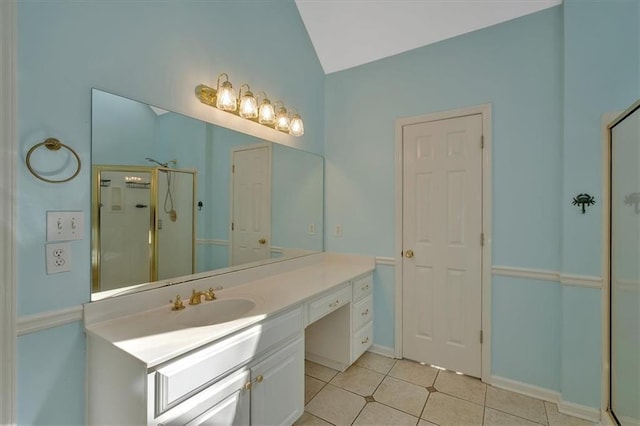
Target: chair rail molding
{"type": "Point", "coordinates": [8, 160]}
{"type": "Point", "coordinates": [545, 275]}
{"type": "Point", "coordinates": [38, 322]}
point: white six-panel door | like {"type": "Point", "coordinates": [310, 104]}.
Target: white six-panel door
{"type": "Point", "coordinates": [442, 226]}
{"type": "Point", "coordinates": [251, 205]}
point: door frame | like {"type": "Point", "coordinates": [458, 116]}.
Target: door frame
{"type": "Point", "coordinates": [269, 146]}
{"type": "Point", "coordinates": [485, 111]}
{"type": "Point", "coordinates": [8, 217]}
{"type": "Point", "coordinates": [609, 120]}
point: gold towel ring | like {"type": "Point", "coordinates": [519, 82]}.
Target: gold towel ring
{"type": "Point", "coordinates": [52, 144]}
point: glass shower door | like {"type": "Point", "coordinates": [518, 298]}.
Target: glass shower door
{"type": "Point", "coordinates": [625, 270]}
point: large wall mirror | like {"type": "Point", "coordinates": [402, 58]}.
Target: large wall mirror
{"type": "Point", "coordinates": [174, 196]}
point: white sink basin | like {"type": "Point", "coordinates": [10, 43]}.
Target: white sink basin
{"type": "Point", "coordinates": [215, 312]}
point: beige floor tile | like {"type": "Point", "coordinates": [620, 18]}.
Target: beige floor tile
{"type": "Point", "coordinates": [498, 418]}
{"type": "Point", "coordinates": [336, 405]}
{"type": "Point", "coordinates": [413, 372]}
{"type": "Point", "coordinates": [375, 414]}
{"type": "Point", "coordinates": [310, 420]}
{"type": "Point", "coordinates": [311, 387]}
{"type": "Point", "coordinates": [318, 371]}
{"type": "Point", "coordinates": [423, 422]}
{"type": "Point", "coordinates": [516, 404]}
{"type": "Point", "coordinates": [461, 386]}
{"type": "Point", "coordinates": [404, 396]}
{"type": "Point", "coordinates": [375, 362]}
{"type": "Point", "coordinates": [359, 380]}
{"type": "Point", "coordinates": [446, 410]}
{"type": "Point", "coordinates": [556, 418]}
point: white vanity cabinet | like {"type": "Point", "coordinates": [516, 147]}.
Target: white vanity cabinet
{"type": "Point", "coordinates": [340, 324]}
{"type": "Point", "coordinates": [239, 379]}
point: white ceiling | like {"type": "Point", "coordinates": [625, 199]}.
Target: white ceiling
{"type": "Point", "coordinates": [348, 33]}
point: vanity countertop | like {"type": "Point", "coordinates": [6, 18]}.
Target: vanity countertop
{"type": "Point", "coordinates": [154, 336]}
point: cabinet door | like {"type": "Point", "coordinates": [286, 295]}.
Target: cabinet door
{"type": "Point", "coordinates": [277, 396]}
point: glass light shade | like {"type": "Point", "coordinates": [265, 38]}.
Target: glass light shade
{"type": "Point", "coordinates": [267, 115]}
{"type": "Point", "coordinates": [226, 98]}
{"type": "Point", "coordinates": [296, 128]}
{"type": "Point", "coordinates": [248, 105]}
{"type": "Point", "coordinates": [282, 120]}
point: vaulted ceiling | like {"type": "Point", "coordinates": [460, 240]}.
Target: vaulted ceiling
{"type": "Point", "coordinates": [348, 33]}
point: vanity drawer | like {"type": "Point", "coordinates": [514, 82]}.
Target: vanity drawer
{"type": "Point", "coordinates": [362, 340]}
{"type": "Point", "coordinates": [226, 400]}
{"type": "Point", "coordinates": [362, 287]}
{"type": "Point", "coordinates": [329, 303]}
{"type": "Point", "coordinates": [180, 379]}
{"type": "Point", "coordinates": [362, 312]}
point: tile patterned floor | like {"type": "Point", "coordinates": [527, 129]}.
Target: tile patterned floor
{"type": "Point", "coordinates": [381, 391]}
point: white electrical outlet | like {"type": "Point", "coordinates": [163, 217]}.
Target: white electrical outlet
{"type": "Point", "coordinates": [65, 226]}
{"type": "Point", "coordinates": [311, 230]}
{"type": "Point", "coordinates": [338, 230]}
{"type": "Point", "coordinates": [58, 257]}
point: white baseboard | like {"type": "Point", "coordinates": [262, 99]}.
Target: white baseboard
{"type": "Point", "coordinates": [525, 389]}
{"type": "Point", "coordinates": [382, 350]}
{"type": "Point", "coordinates": [569, 408]}
{"type": "Point", "coordinates": [577, 410]}
{"type": "Point", "coordinates": [325, 361]}
{"type": "Point", "coordinates": [38, 322]}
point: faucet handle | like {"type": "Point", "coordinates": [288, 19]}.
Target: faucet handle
{"type": "Point", "coordinates": [209, 294]}
{"type": "Point", "coordinates": [177, 304]}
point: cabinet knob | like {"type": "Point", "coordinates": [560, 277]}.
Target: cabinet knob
{"type": "Point", "coordinates": [260, 378]}
{"type": "Point", "coordinates": [365, 313]}
{"type": "Point", "coordinates": [262, 241]}
{"type": "Point", "coordinates": [408, 254]}
{"type": "Point", "coordinates": [365, 341]}
{"type": "Point", "coordinates": [247, 386]}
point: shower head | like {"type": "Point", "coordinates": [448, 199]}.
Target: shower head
{"type": "Point", "coordinates": [174, 162]}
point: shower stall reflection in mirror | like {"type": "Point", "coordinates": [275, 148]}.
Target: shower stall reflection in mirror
{"type": "Point", "coordinates": [143, 225]}
{"type": "Point", "coordinates": [624, 268]}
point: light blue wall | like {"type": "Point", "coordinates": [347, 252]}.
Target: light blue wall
{"type": "Point", "coordinates": [156, 52]}
{"type": "Point", "coordinates": [526, 331]}
{"type": "Point", "coordinates": [549, 77]}
{"type": "Point", "coordinates": [601, 44]}
{"type": "Point", "coordinates": [517, 67]}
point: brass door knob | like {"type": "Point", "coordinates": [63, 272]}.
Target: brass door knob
{"type": "Point", "coordinates": [262, 241]}
{"type": "Point", "coordinates": [408, 254]}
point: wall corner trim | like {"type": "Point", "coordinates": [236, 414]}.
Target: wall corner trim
{"type": "Point", "coordinates": [8, 161]}
{"type": "Point", "coordinates": [38, 322]}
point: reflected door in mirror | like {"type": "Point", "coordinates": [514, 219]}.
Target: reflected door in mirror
{"type": "Point", "coordinates": [251, 205]}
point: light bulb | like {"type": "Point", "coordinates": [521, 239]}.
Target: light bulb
{"type": "Point", "coordinates": [282, 120]}
{"type": "Point", "coordinates": [248, 105]}
{"type": "Point", "coordinates": [226, 98]}
{"type": "Point", "coordinates": [296, 127]}
{"type": "Point", "coordinates": [267, 115]}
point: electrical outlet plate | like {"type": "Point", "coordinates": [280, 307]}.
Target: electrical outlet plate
{"type": "Point", "coordinates": [339, 231]}
{"type": "Point", "coordinates": [58, 257]}
{"type": "Point", "coordinates": [65, 225]}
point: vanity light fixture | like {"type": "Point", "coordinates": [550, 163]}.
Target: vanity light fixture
{"type": "Point", "coordinates": [282, 118]}
{"type": "Point", "coordinates": [266, 113]}
{"type": "Point", "coordinates": [248, 103]}
{"type": "Point", "coordinates": [247, 106]}
{"type": "Point", "coordinates": [296, 127]}
{"type": "Point", "coordinates": [225, 97]}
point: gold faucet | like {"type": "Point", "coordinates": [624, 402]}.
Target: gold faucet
{"type": "Point", "coordinates": [195, 296]}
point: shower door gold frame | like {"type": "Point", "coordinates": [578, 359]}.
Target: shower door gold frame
{"type": "Point", "coordinates": [96, 193]}
{"type": "Point", "coordinates": [97, 171]}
